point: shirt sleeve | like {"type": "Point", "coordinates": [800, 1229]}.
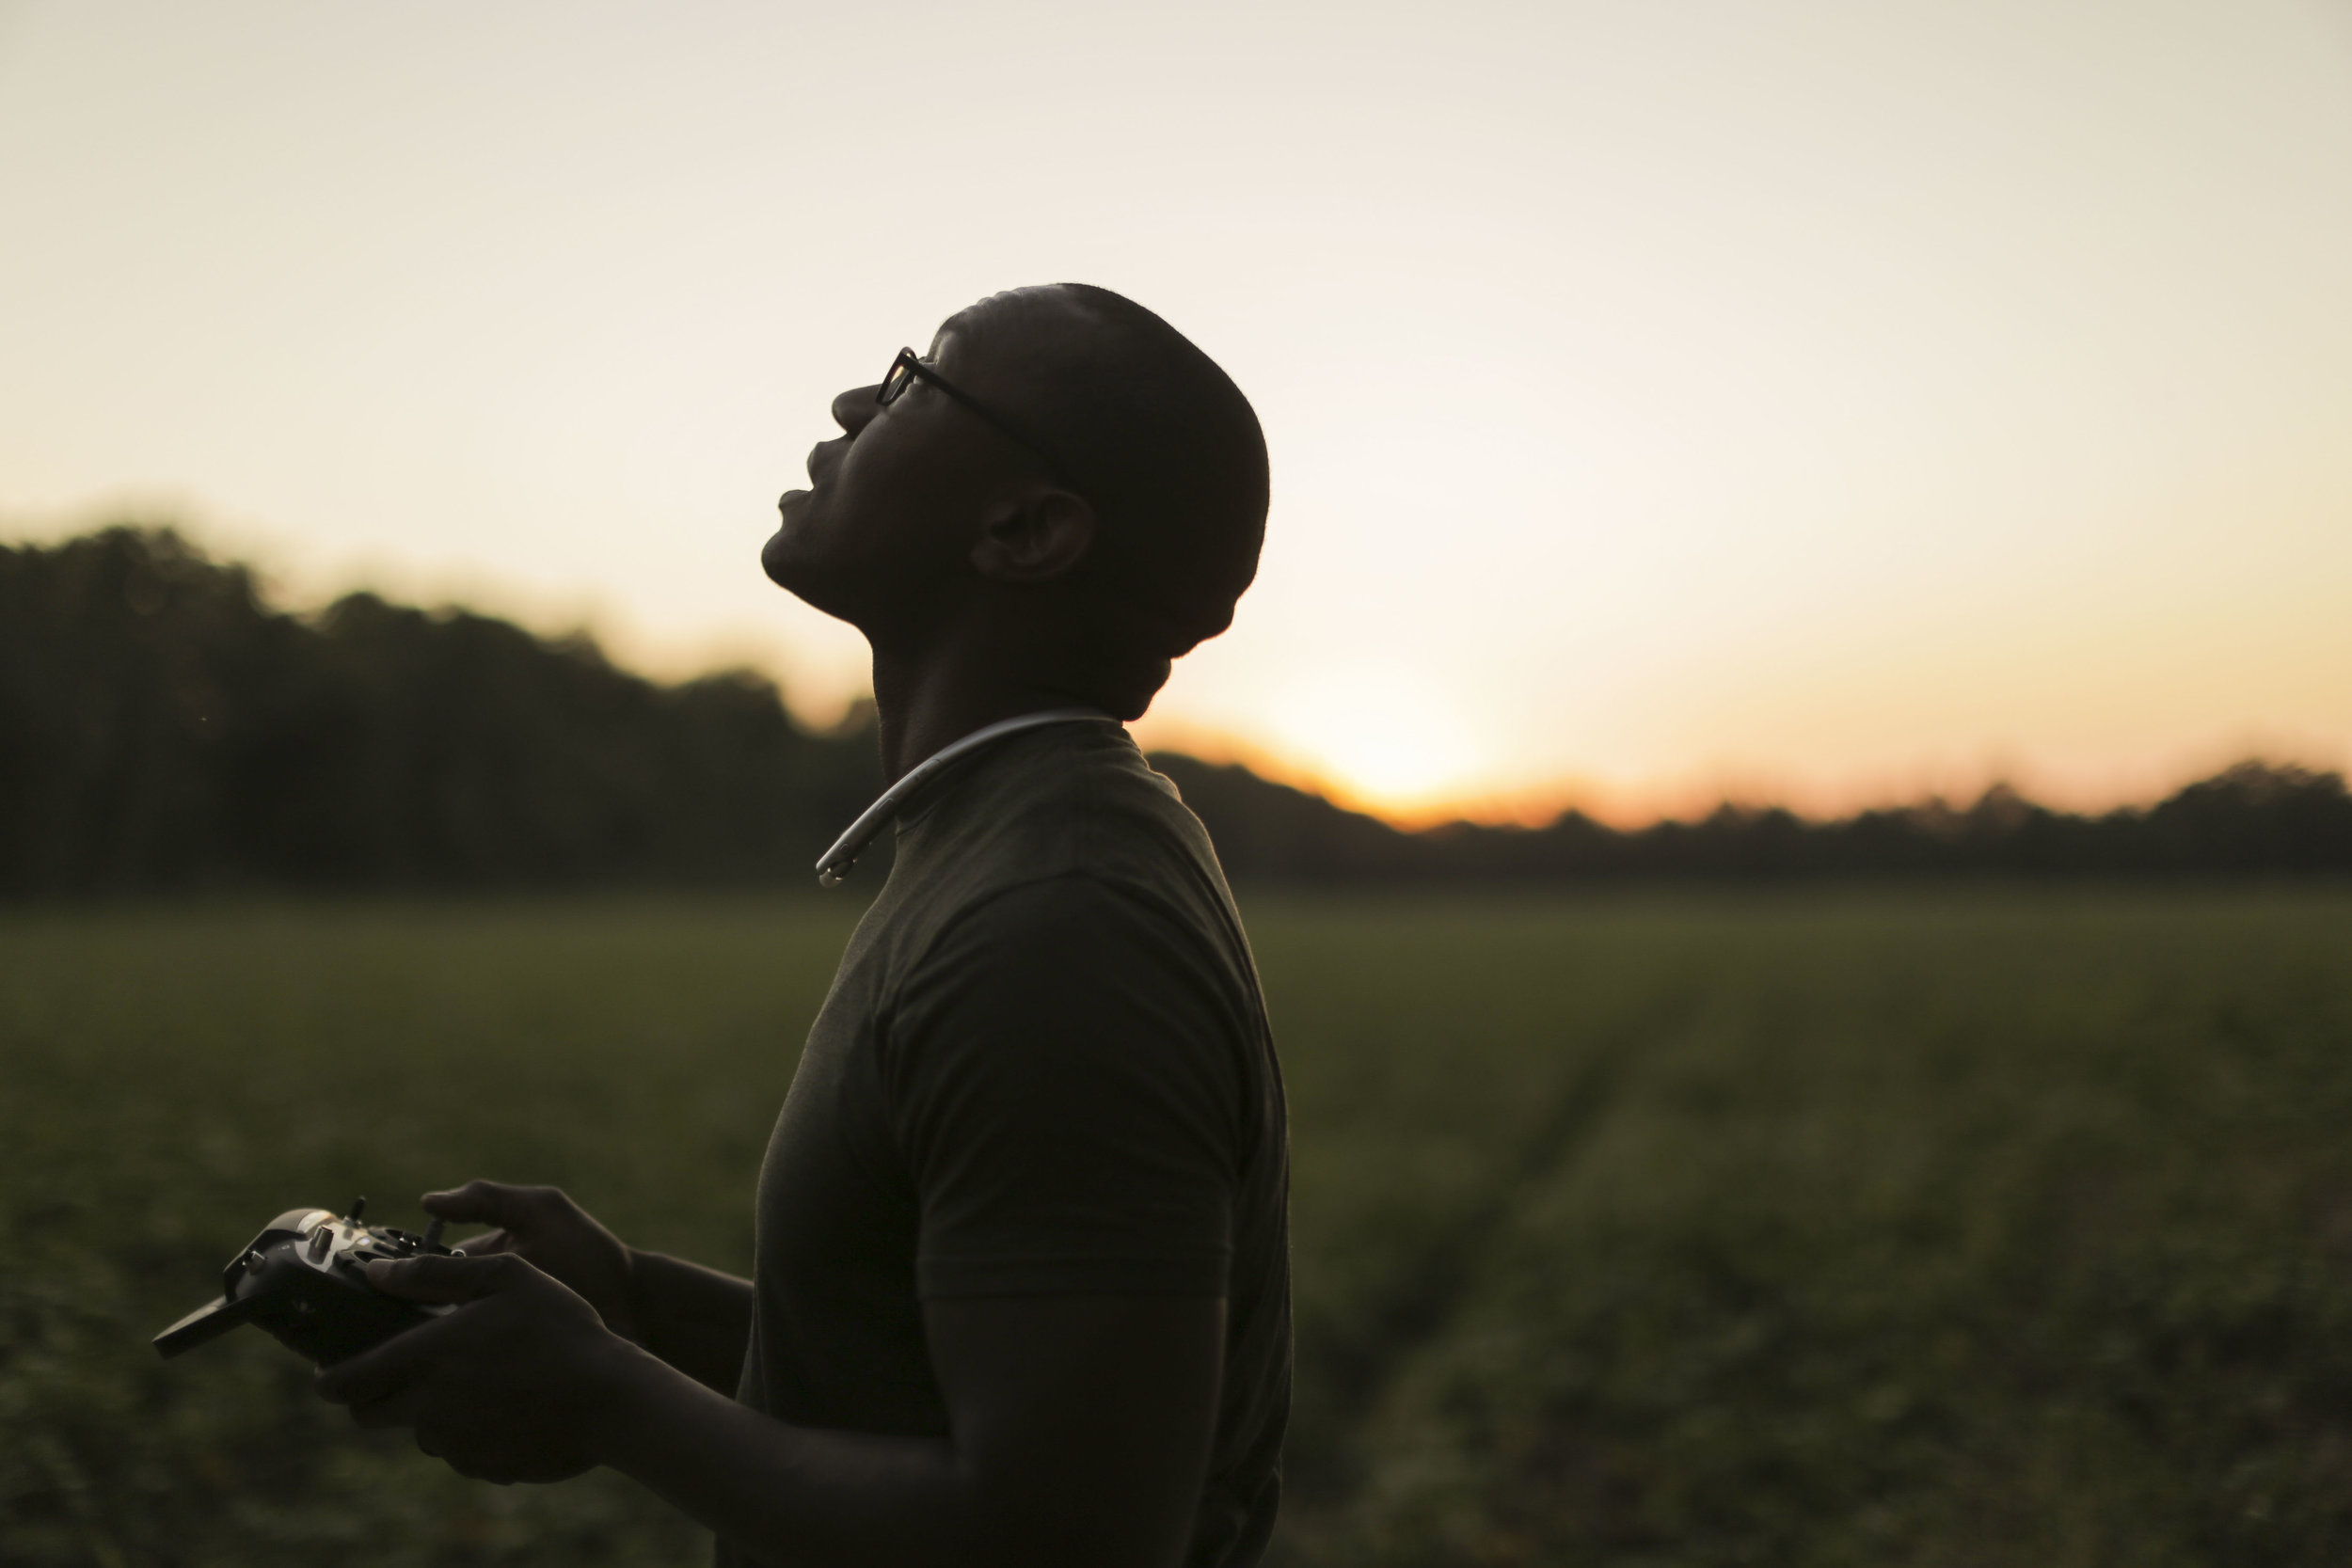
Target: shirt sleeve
{"type": "Point", "coordinates": [1065, 1068]}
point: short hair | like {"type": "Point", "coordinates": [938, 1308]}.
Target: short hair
{"type": "Point", "coordinates": [1163, 443]}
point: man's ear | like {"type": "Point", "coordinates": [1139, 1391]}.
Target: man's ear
{"type": "Point", "coordinates": [1035, 537]}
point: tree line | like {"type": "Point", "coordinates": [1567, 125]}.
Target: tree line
{"type": "Point", "coordinates": [164, 727]}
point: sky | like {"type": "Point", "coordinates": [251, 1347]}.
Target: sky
{"type": "Point", "coordinates": [1818, 402]}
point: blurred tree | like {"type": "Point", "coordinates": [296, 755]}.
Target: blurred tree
{"type": "Point", "coordinates": [161, 726]}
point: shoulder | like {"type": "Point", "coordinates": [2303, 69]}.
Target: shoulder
{"type": "Point", "coordinates": [1087, 802]}
{"type": "Point", "coordinates": [1069, 997]}
{"type": "Point", "coordinates": [1077, 815]}
{"type": "Point", "coordinates": [1074, 934]}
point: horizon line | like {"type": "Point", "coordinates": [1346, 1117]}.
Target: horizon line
{"type": "Point", "coordinates": [1619, 805]}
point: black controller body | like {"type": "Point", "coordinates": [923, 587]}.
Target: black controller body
{"type": "Point", "coordinates": [304, 1279]}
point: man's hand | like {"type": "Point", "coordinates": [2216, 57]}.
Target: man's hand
{"type": "Point", "coordinates": [544, 1228]}
{"type": "Point", "coordinates": [506, 1388]}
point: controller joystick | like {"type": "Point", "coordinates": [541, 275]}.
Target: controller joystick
{"type": "Point", "coordinates": [304, 1279]}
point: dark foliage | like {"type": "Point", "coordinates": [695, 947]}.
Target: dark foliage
{"type": "Point", "coordinates": [163, 727]}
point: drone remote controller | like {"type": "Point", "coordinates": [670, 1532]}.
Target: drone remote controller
{"type": "Point", "coordinates": [304, 1278]}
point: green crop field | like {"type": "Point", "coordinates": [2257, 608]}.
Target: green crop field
{"type": "Point", "coordinates": [1890, 1227]}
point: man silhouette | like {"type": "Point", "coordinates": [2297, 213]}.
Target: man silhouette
{"type": "Point", "coordinates": [1021, 1294]}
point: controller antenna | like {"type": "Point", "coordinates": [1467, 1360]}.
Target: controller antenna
{"type": "Point", "coordinates": [433, 1234]}
{"type": "Point", "coordinates": [359, 1206]}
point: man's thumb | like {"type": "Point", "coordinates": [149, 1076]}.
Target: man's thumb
{"type": "Point", "coordinates": [479, 1203]}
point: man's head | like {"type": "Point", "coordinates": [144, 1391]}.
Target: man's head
{"type": "Point", "coordinates": [1070, 483]}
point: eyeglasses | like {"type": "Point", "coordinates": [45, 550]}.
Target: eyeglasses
{"type": "Point", "coordinates": [908, 369]}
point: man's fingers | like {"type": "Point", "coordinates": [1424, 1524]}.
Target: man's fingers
{"type": "Point", "coordinates": [488, 1245]}
{"type": "Point", "coordinates": [488, 1203]}
{"type": "Point", "coordinates": [375, 1375]}
{"type": "Point", "coordinates": [446, 1279]}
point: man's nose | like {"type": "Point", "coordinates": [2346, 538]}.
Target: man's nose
{"type": "Point", "coordinates": [854, 410]}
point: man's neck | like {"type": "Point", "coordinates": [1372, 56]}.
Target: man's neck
{"type": "Point", "coordinates": [923, 703]}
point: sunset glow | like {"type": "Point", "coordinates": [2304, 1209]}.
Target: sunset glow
{"type": "Point", "coordinates": [1378, 737]}
{"type": "Point", "coordinates": [1822, 400]}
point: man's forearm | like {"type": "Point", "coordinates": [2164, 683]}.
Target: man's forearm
{"type": "Point", "coordinates": [793, 1497]}
{"type": "Point", "coordinates": [696, 1318]}
{"type": "Point", "coordinates": [1082, 1429]}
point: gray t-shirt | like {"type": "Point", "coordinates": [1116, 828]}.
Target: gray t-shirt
{"type": "Point", "coordinates": [1043, 1069]}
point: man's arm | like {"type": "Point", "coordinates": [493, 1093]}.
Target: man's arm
{"type": "Point", "coordinates": [696, 1318]}
{"type": "Point", "coordinates": [1079, 1427]}
{"type": "Point", "coordinates": [1080, 1436]}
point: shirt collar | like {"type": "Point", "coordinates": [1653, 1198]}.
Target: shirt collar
{"type": "Point", "coordinates": [835, 862]}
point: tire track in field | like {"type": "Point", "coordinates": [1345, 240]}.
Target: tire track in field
{"type": "Point", "coordinates": [1428, 1294]}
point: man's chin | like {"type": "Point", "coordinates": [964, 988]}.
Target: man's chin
{"type": "Point", "coordinates": [775, 558]}
{"type": "Point", "coordinates": [789, 565]}
{"type": "Point", "coordinates": [792, 557]}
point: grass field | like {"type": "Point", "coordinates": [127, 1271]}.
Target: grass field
{"type": "Point", "coordinates": [1900, 1227]}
